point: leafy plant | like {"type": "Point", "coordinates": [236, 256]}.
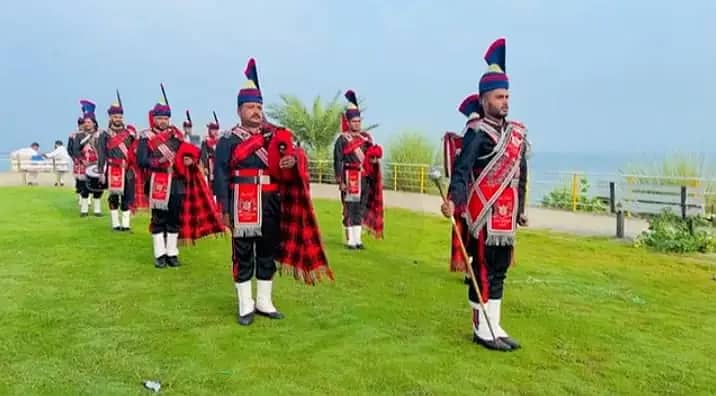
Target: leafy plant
{"type": "Point", "coordinates": [670, 233]}
{"type": "Point", "coordinates": [562, 198]}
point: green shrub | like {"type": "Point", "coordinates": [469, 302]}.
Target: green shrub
{"type": "Point", "coordinates": [408, 158]}
{"type": "Point", "coordinates": [670, 233]}
{"type": "Point", "coordinates": [561, 198]}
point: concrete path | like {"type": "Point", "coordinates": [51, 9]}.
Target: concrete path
{"type": "Point", "coordinates": [539, 218]}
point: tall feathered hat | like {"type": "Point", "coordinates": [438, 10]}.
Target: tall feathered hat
{"type": "Point", "coordinates": [161, 109]}
{"type": "Point", "coordinates": [352, 110]}
{"type": "Point", "coordinates": [251, 91]}
{"type": "Point", "coordinates": [471, 107]}
{"type": "Point", "coordinates": [116, 107]}
{"type": "Point", "coordinates": [496, 76]}
{"type": "Point", "coordinates": [88, 108]}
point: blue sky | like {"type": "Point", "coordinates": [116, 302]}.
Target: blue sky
{"type": "Point", "coordinates": [587, 76]}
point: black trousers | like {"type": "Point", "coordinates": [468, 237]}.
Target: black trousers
{"type": "Point", "coordinates": [85, 192]}
{"type": "Point", "coordinates": [490, 264]}
{"type": "Point", "coordinates": [353, 212]}
{"type": "Point", "coordinates": [167, 220]}
{"type": "Point", "coordinates": [258, 254]}
{"type": "Point", "coordinates": [78, 186]}
{"type": "Point", "coordinates": [115, 202]}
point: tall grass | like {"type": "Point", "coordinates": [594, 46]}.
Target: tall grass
{"type": "Point", "coordinates": [409, 156]}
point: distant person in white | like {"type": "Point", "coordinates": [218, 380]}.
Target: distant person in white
{"type": "Point", "coordinates": [23, 158]}
{"type": "Point", "coordinates": [62, 162]}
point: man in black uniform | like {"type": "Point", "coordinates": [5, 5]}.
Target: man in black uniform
{"type": "Point", "coordinates": [356, 166]}
{"type": "Point", "coordinates": [85, 149]}
{"type": "Point", "coordinates": [116, 158]}
{"type": "Point", "coordinates": [157, 152]}
{"type": "Point", "coordinates": [487, 189]}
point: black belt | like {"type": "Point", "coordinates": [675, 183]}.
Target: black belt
{"type": "Point", "coordinates": [247, 180]}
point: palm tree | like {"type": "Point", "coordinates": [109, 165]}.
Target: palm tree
{"type": "Point", "coordinates": [316, 128]}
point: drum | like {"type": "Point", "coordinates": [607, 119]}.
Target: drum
{"type": "Point", "coordinates": [93, 179]}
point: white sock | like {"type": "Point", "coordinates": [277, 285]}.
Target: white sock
{"type": "Point", "coordinates": [172, 249]}
{"type": "Point", "coordinates": [126, 216]}
{"type": "Point", "coordinates": [246, 301]}
{"type": "Point", "coordinates": [84, 205]}
{"type": "Point", "coordinates": [114, 213]}
{"type": "Point", "coordinates": [358, 230]}
{"type": "Point", "coordinates": [482, 330]}
{"type": "Point", "coordinates": [493, 309]}
{"type": "Point", "coordinates": [160, 248]}
{"type": "Point", "coordinates": [351, 236]}
{"type": "Point", "coordinates": [97, 206]}
{"type": "Point", "coordinates": [263, 296]}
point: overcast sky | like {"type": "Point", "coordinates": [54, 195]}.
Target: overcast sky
{"type": "Point", "coordinates": [586, 76]}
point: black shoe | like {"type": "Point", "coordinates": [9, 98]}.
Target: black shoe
{"type": "Point", "coordinates": [360, 247]}
{"type": "Point", "coordinates": [246, 319]}
{"type": "Point", "coordinates": [160, 262]}
{"type": "Point", "coordinates": [271, 315]}
{"type": "Point", "coordinates": [98, 215]}
{"type": "Point", "coordinates": [514, 344]}
{"type": "Point", "coordinates": [494, 345]}
{"type": "Point", "coordinates": [173, 261]}
{"type": "Point", "coordinates": [117, 228]}
{"type": "Point", "coordinates": [467, 281]}
{"type": "Point", "coordinates": [349, 247]}
{"type": "Point", "coordinates": [84, 214]}
{"type": "Point", "coordinates": [124, 228]}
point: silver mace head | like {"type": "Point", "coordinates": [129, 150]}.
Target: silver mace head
{"type": "Point", "coordinates": [435, 175]}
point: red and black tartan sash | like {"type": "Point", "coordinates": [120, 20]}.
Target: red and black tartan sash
{"type": "Point", "coordinates": [118, 140]}
{"type": "Point", "coordinates": [211, 142]}
{"type": "Point", "coordinates": [354, 146]}
{"type": "Point", "coordinates": [244, 135]}
{"type": "Point", "coordinates": [493, 199]}
{"type": "Point", "coordinates": [247, 185]}
{"type": "Point", "coordinates": [158, 142]}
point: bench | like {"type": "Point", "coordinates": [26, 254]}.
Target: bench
{"type": "Point", "coordinates": [654, 199]}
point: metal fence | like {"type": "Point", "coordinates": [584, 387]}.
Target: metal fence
{"type": "Point", "coordinates": [568, 190]}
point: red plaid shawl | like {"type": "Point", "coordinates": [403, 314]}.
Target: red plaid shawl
{"type": "Point", "coordinates": [301, 248]}
{"type": "Point", "coordinates": [373, 218]}
{"type": "Point", "coordinates": [200, 215]}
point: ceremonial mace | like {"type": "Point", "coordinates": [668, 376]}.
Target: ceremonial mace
{"type": "Point", "coordinates": [436, 176]}
{"type": "Point", "coordinates": [119, 100]}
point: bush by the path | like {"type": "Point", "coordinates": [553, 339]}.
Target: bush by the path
{"type": "Point", "coordinates": [670, 233]}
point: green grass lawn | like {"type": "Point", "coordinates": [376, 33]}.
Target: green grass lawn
{"type": "Point", "coordinates": [83, 311]}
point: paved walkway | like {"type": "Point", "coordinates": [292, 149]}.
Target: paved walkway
{"type": "Point", "coordinates": [545, 219]}
{"type": "Point", "coordinates": [539, 218]}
